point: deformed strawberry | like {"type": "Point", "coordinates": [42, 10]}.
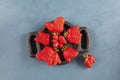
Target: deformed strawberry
{"type": "Point", "coordinates": [49, 55]}
{"type": "Point", "coordinates": [69, 53]}
{"type": "Point", "coordinates": [62, 40]}
{"type": "Point", "coordinates": [87, 63]}
{"type": "Point", "coordinates": [55, 44]}
{"type": "Point", "coordinates": [89, 60]}
{"type": "Point", "coordinates": [73, 35]}
{"type": "Point", "coordinates": [56, 26]}
{"type": "Point", "coordinates": [43, 38]}
{"type": "Point", "coordinates": [55, 37]}
{"type": "Point", "coordinates": [60, 45]}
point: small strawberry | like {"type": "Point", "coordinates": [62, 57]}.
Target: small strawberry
{"type": "Point", "coordinates": [43, 38]}
{"type": "Point", "coordinates": [69, 53]}
{"type": "Point", "coordinates": [55, 37]}
{"type": "Point", "coordinates": [60, 45]}
{"type": "Point", "coordinates": [49, 55]}
{"type": "Point", "coordinates": [54, 41]}
{"type": "Point", "coordinates": [87, 63]}
{"type": "Point", "coordinates": [73, 35]}
{"type": "Point", "coordinates": [56, 26]}
{"type": "Point", "coordinates": [56, 59]}
{"type": "Point", "coordinates": [89, 60]}
{"type": "Point", "coordinates": [62, 40]}
{"type": "Point", "coordinates": [55, 44]}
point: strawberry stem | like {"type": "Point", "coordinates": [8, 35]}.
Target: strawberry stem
{"type": "Point", "coordinates": [65, 34]}
{"type": "Point", "coordinates": [85, 56]}
{"type": "Point", "coordinates": [57, 49]}
{"type": "Point", "coordinates": [55, 34]}
{"type": "Point", "coordinates": [64, 47]}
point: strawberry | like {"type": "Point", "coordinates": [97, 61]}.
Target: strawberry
{"type": "Point", "coordinates": [62, 40]}
{"type": "Point", "coordinates": [89, 60]}
{"type": "Point", "coordinates": [54, 41]}
{"type": "Point", "coordinates": [56, 26]}
{"type": "Point", "coordinates": [49, 55]}
{"type": "Point", "coordinates": [43, 38]}
{"type": "Point", "coordinates": [60, 45]}
{"type": "Point", "coordinates": [87, 63]}
{"type": "Point", "coordinates": [55, 44]}
{"type": "Point", "coordinates": [55, 37]}
{"type": "Point", "coordinates": [73, 35]}
{"type": "Point", "coordinates": [69, 53]}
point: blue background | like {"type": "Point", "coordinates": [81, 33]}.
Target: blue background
{"type": "Point", "coordinates": [19, 17]}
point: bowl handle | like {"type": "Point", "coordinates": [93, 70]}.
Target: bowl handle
{"type": "Point", "coordinates": [32, 46]}
{"type": "Point", "coordinates": [84, 46]}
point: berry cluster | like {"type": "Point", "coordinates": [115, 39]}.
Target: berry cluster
{"type": "Point", "coordinates": [59, 40]}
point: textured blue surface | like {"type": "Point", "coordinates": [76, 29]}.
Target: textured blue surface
{"type": "Point", "coordinates": [19, 17]}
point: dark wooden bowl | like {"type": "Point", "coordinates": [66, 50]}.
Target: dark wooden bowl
{"type": "Point", "coordinates": [35, 47]}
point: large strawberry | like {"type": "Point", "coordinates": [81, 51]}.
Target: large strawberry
{"type": "Point", "coordinates": [49, 55]}
{"type": "Point", "coordinates": [43, 38]}
{"type": "Point", "coordinates": [69, 53]}
{"type": "Point", "coordinates": [56, 26]}
{"type": "Point", "coordinates": [73, 35]}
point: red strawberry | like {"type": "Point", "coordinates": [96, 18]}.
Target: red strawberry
{"type": "Point", "coordinates": [54, 41]}
{"type": "Point", "coordinates": [73, 35]}
{"type": "Point", "coordinates": [89, 60]}
{"type": "Point", "coordinates": [56, 26]}
{"type": "Point", "coordinates": [87, 63]}
{"type": "Point", "coordinates": [62, 40]}
{"type": "Point", "coordinates": [69, 53]}
{"type": "Point", "coordinates": [55, 44]}
{"type": "Point", "coordinates": [60, 45]}
{"type": "Point", "coordinates": [43, 38]}
{"type": "Point", "coordinates": [55, 37]}
{"type": "Point", "coordinates": [49, 55]}
{"type": "Point", "coordinates": [56, 59]}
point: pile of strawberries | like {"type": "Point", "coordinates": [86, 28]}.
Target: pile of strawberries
{"type": "Point", "coordinates": [50, 54]}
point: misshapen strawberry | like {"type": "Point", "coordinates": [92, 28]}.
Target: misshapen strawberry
{"type": "Point", "coordinates": [73, 35]}
{"type": "Point", "coordinates": [56, 26]}
{"type": "Point", "coordinates": [55, 37]}
{"type": "Point", "coordinates": [43, 38]}
{"type": "Point", "coordinates": [49, 55]}
{"type": "Point", "coordinates": [62, 40]}
{"type": "Point", "coordinates": [60, 45]}
{"type": "Point", "coordinates": [87, 63]}
{"type": "Point", "coordinates": [55, 41]}
{"type": "Point", "coordinates": [55, 44]}
{"type": "Point", "coordinates": [69, 53]}
{"type": "Point", "coordinates": [89, 60]}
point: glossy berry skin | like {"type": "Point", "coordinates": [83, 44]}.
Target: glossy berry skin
{"type": "Point", "coordinates": [87, 63]}
{"type": "Point", "coordinates": [69, 53]}
{"type": "Point", "coordinates": [62, 40]}
{"type": "Point", "coordinates": [73, 35]}
{"type": "Point", "coordinates": [60, 45]}
{"type": "Point", "coordinates": [43, 38]}
{"type": "Point", "coordinates": [55, 41]}
{"type": "Point", "coordinates": [56, 26]}
{"type": "Point", "coordinates": [55, 37]}
{"type": "Point", "coordinates": [49, 55]}
{"type": "Point", "coordinates": [55, 44]}
{"type": "Point", "coordinates": [89, 60]}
